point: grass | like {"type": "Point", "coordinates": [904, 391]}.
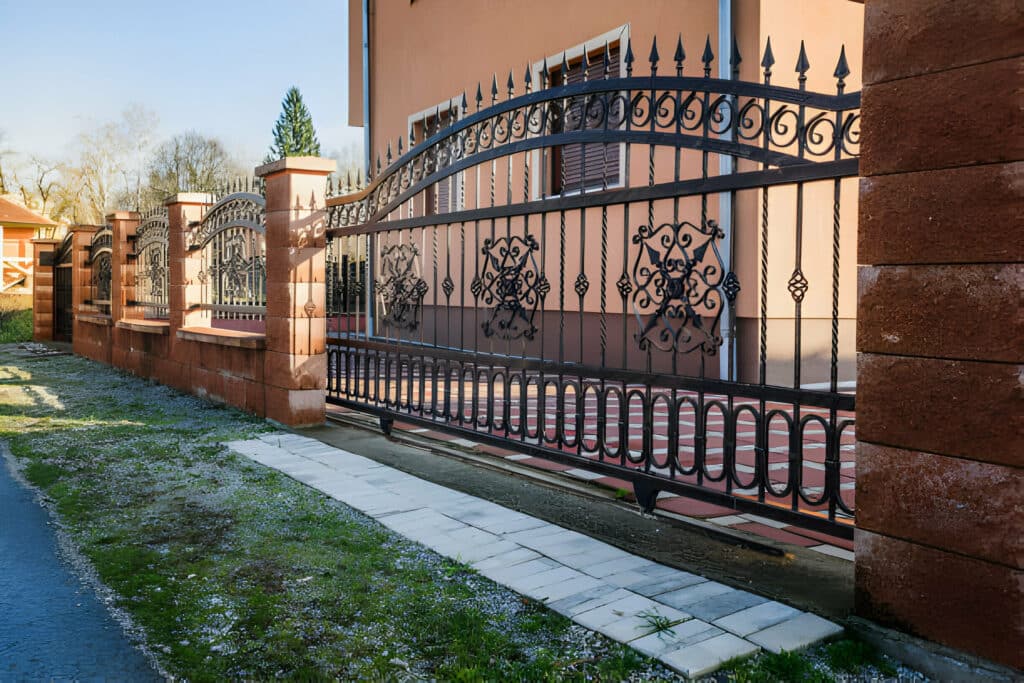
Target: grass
{"type": "Point", "coordinates": [234, 571]}
{"type": "Point", "coordinates": [15, 326]}
{"type": "Point", "coordinates": [843, 659]}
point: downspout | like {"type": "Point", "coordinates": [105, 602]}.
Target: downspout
{"type": "Point", "coordinates": [366, 149]}
{"type": "Point", "coordinates": [726, 166]}
{"type": "Point", "coordinates": [366, 86]}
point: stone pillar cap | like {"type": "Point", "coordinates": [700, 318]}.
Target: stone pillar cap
{"type": "Point", "coordinates": [85, 228]}
{"type": "Point", "coordinates": [306, 164]}
{"type": "Point", "coordinates": [189, 198]}
{"type": "Point", "coordinates": [45, 240]}
{"type": "Point", "coordinates": [123, 216]}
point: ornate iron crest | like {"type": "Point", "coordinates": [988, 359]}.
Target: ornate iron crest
{"type": "Point", "coordinates": [511, 282]}
{"type": "Point", "coordinates": [236, 271]}
{"type": "Point", "coordinates": [102, 240]}
{"type": "Point", "coordinates": [239, 210]}
{"type": "Point", "coordinates": [101, 276]}
{"type": "Point", "coordinates": [151, 246]}
{"type": "Point", "coordinates": [678, 272]}
{"type": "Point", "coordinates": [401, 288]}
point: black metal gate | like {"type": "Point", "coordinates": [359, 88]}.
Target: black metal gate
{"type": "Point", "coordinates": [63, 306]}
{"type": "Point", "coordinates": [635, 275]}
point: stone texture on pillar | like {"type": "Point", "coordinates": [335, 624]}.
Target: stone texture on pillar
{"type": "Point", "coordinates": [295, 363]}
{"type": "Point", "coordinates": [182, 290]}
{"type": "Point", "coordinates": [122, 284]}
{"type": "Point", "coordinates": [940, 459]}
{"type": "Point", "coordinates": [42, 289]}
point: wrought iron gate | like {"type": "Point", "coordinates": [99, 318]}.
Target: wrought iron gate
{"type": "Point", "coordinates": [492, 282]}
{"type": "Point", "coordinates": [63, 306]}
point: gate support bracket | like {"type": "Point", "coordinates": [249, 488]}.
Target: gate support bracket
{"type": "Point", "coordinates": [386, 424]}
{"type": "Point", "coordinates": [646, 496]}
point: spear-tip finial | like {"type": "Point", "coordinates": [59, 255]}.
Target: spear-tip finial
{"type": "Point", "coordinates": [708, 56]}
{"type": "Point", "coordinates": [528, 78]}
{"type": "Point", "coordinates": [842, 68]}
{"type": "Point", "coordinates": [629, 56]}
{"type": "Point", "coordinates": [510, 83]}
{"type": "Point", "coordinates": [586, 64]}
{"type": "Point", "coordinates": [769, 57]}
{"type": "Point", "coordinates": [389, 153]}
{"type": "Point", "coordinates": [802, 65]}
{"type": "Point", "coordinates": [399, 145]}
{"type": "Point", "coordinates": [736, 57]}
{"type": "Point", "coordinates": [494, 87]}
{"type": "Point", "coordinates": [544, 73]}
{"type": "Point", "coordinates": [680, 55]}
{"type": "Point", "coordinates": [653, 57]}
{"type": "Point", "coordinates": [565, 69]}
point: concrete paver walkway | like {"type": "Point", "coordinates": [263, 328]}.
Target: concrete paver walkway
{"type": "Point", "coordinates": [686, 621]}
{"type": "Point", "coordinates": [52, 627]}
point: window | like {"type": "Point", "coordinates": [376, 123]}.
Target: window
{"type": "Point", "coordinates": [591, 166]}
{"type": "Point", "coordinates": [443, 196]}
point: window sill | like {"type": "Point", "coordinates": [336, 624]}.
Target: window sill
{"type": "Point", "coordinates": [161, 327]}
{"type": "Point", "coordinates": [209, 335]}
{"type": "Point", "coordinates": [94, 319]}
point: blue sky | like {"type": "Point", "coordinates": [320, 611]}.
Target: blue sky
{"type": "Point", "coordinates": [220, 67]}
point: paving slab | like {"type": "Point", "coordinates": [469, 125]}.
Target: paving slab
{"type": "Point", "coordinates": [689, 623]}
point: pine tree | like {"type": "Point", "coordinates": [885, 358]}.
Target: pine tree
{"type": "Point", "coordinates": [294, 135]}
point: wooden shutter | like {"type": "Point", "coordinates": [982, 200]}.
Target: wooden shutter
{"type": "Point", "coordinates": [594, 165]}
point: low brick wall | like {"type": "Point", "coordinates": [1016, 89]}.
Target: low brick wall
{"type": "Point", "coordinates": [275, 368]}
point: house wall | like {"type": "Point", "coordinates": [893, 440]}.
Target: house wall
{"type": "Point", "coordinates": [424, 54]}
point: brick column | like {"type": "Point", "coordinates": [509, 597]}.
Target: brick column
{"type": "Point", "coordinates": [42, 288]}
{"type": "Point", "coordinates": [183, 287]}
{"type": "Point", "coordinates": [295, 364]}
{"type": "Point", "coordinates": [940, 457]}
{"type": "Point", "coordinates": [122, 279]}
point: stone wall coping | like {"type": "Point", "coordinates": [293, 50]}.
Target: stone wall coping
{"type": "Point", "coordinates": [189, 198]}
{"type": "Point", "coordinates": [211, 335]}
{"type": "Point", "coordinates": [85, 228]}
{"type": "Point", "coordinates": [304, 164]}
{"type": "Point", "coordinates": [145, 326]}
{"type": "Point", "coordinates": [94, 319]}
{"type": "Point", "coordinates": [123, 216]}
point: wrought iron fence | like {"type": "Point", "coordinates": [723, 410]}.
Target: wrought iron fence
{"type": "Point", "coordinates": [63, 302]}
{"type": "Point", "coordinates": [231, 236]}
{"type": "Point", "coordinates": [151, 276]}
{"type": "Point", "coordinates": [100, 248]}
{"type": "Point", "coordinates": [607, 327]}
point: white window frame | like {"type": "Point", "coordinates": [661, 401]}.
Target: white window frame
{"type": "Point", "coordinates": [620, 35]}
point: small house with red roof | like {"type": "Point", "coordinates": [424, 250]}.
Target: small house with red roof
{"type": "Point", "coordinates": [18, 226]}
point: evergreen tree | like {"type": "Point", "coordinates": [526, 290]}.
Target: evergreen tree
{"type": "Point", "coordinates": [294, 135]}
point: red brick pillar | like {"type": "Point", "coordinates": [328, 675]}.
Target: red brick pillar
{"type": "Point", "coordinates": [940, 415]}
{"type": "Point", "coordinates": [122, 279]}
{"type": "Point", "coordinates": [42, 288]}
{"type": "Point", "coordinates": [183, 286]}
{"type": "Point", "coordinates": [295, 364]}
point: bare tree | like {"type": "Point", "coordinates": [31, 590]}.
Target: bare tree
{"type": "Point", "coordinates": [111, 161]}
{"type": "Point", "coordinates": [189, 161]}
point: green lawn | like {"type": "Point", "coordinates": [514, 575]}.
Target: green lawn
{"type": "Point", "coordinates": [15, 326]}
{"type": "Point", "coordinates": [233, 570]}
{"type": "Point", "coordinates": [236, 571]}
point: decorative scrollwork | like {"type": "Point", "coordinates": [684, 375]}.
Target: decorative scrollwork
{"type": "Point", "coordinates": [678, 272]}
{"type": "Point", "coordinates": [798, 285]}
{"type": "Point", "coordinates": [101, 272]}
{"type": "Point", "coordinates": [400, 288]}
{"type": "Point", "coordinates": [510, 282]}
{"type": "Point", "coordinates": [779, 125]}
{"type": "Point", "coordinates": [151, 269]}
{"type": "Point", "coordinates": [239, 210]}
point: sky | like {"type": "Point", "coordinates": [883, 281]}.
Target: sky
{"type": "Point", "coordinates": [220, 67]}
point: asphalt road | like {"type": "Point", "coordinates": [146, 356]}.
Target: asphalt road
{"type": "Point", "coordinates": [52, 625]}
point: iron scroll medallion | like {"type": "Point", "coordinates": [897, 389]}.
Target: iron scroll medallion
{"type": "Point", "coordinates": [511, 284]}
{"type": "Point", "coordinates": [678, 273]}
{"type": "Point", "coordinates": [401, 288]}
